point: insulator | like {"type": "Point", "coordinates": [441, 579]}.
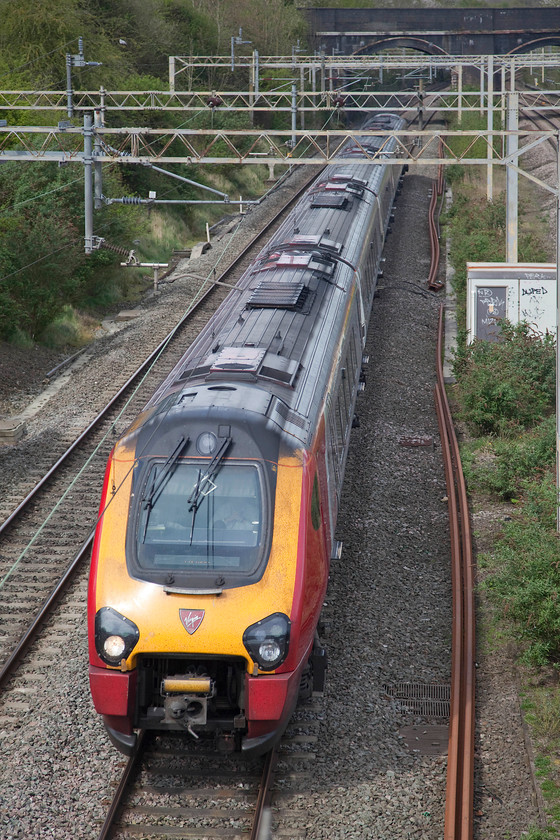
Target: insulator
{"type": "Point", "coordinates": [123, 252]}
{"type": "Point", "coordinates": [131, 199]}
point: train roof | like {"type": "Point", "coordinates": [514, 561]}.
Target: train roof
{"type": "Point", "coordinates": [285, 316]}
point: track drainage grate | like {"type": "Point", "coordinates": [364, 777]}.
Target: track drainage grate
{"type": "Point", "coordinates": [427, 740]}
{"type": "Point", "coordinates": [428, 700]}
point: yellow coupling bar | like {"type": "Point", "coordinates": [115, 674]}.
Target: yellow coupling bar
{"type": "Point", "coordinates": [187, 685]}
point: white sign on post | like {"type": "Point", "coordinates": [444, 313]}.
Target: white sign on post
{"type": "Point", "coordinates": [518, 292]}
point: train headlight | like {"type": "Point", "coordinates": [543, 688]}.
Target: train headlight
{"type": "Point", "coordinates": [114, 647]}
{"type": "Point", "coordinates": [115, 636]}
{"type": "Point", "coordinates": [268, 641]}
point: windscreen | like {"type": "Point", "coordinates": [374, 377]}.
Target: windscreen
{"type": "Point", "coordinates": [190, 521]}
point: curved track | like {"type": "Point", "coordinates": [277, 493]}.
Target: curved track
{"type": "Point", "coordinates": [460, 774]}
{"type": "Point", "coordinates": [460, 766]}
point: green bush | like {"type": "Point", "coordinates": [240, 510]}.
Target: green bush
{"type": "Point", "coordinates": [502, 466]}
{"type": "Point", "coordinates": [525, 583]}
{"type": "Point", "coordinates": [477, 228]}
{"type": "Point", "coordinates": [506, 385]}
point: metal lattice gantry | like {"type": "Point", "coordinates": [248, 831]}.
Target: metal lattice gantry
{"type": "Point", "coordinates": [312, 84]}
{"type": "Point", "coordinates": [334, 87]}
{"type": "Point", "coordinates": [344, 100]}
{"type": "Point", "coordinates": [258, 146]}
{"type": "Point", "coordinates": [325, 69]}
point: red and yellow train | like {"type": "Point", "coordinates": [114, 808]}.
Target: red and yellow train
{"type": "Point", "coordinates": [211, 556]}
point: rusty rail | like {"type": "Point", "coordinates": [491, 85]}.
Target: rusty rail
{"type": "Point", "coordinates": [460, 764]}
{"type": "Point", "coordinates": [437, 189]}
{"type": "Point", "coordinates": [261, 829]}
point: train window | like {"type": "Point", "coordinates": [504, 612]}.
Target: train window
{"type": "Point", "coordinates": [219, 529]}
{"type": "Point", "coordinates": [353, 359]}
{"type": "Point", "coordinates": [348, 396]}
{"type": "Point", "coordinates": [332, 440]}
{"type": "Point", "coordinates": [342, 401]}
{"type": "Point", "coordinates": [315, 505]}
{"type": "Point", "coordinates": [340, 427]}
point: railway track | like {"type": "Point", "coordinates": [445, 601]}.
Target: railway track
{"type": "Point", "coordinates": [46, 538]}
{"type": "Point", "coordinates": [460, 767]}
{"type": "Point", "coordinates": [133, 822]}
{"type": "Point", "coordinates": [537, 119]}
{"type": "Point", "coordinates": [174, 787]}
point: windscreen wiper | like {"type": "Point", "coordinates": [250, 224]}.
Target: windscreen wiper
{"type": "Point", "coordinates": [202, 487]}
{"type": "Point", "coordinates": [159, 481]}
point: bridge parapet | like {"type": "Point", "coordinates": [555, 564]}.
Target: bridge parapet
{"type": "Point", "coordinates": [456, 31]}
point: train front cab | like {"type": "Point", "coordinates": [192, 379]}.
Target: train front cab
{"type": "Point", "coordinates": [220, 654]}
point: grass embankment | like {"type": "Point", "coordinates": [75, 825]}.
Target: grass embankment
{"type": "Point", "coordinates": [504, 399]}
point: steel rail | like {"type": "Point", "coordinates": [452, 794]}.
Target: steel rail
{"type": "Point", "coordinates": [543, 118]}
{"type": "Point", "coordinates": [460, 763]}
{"type": "Point", "coordinates": [131, 765]}
{"type": "Point", "coordinates": [261, 822]}
{"type": "Point", "coordinates": [437, 190]}
{"type": "Point", "coordinates": [46, 607]}
{"type": "Point", "coordinates": [260, 828]}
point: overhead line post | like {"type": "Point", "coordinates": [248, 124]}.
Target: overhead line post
{"type": "Point", "coordinates": [490, 126]}
{"type": "Point", "coordinates": [512, 187]}
{"type": "Point", "coordinates": [294, 114]}
{"type": "Point", "coordinates": [75, 61]}
{"type": "Point", "coordinates": [172, 73]}
{"type": "Point", "coordinates": [459, 93]}
{"type": "Point", "coordinates": [97, 166]}
{"type": "Point", "coordinates": [88, 183]}
{"type": "Point", "coordinates": [558, 331]}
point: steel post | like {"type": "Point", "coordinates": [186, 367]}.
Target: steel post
{"type": "Point", "coordinates": [88, 183]}
{"type": "Point", "coordinates": [460, 94]}
{"type": "Point", "coordinates": [69, 102]}
{"type": "Point", "coordinates": [294, 114]}
{"type": "Point", "coordinates": [302, 86]}
{"type": "Point", "coordinates": [557, 331]}
{"type": "Point", "coordinates": [490, 126]}
{"type": "Point", "coordinates": [171, 73]}
{"type": "Point", "coordinates": [97, 166]}
{"type": "Point", "coordinates": [512, 178]}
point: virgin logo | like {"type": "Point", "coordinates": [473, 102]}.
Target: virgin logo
{"type": "Point", "coordinates": [191, 619]}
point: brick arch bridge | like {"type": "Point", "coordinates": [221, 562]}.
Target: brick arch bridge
{"type": "Point", "coordinates": [454, 31]}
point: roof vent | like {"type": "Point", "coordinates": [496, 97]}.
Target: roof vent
{"type": "Point", "coordinates": [330, 244]}
{"type": "Point", "coordinates": [335, 201]}
{"type": "Point", "coordinates": [279, 368]}
{"type": "Point", "coordinates": [270, 295]}
{"type": "Point", "coordinates": [238, 359]}
{"type": "Point", "coordinates": [348, 179]}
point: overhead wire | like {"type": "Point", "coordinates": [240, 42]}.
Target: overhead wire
{"type": "Point", "coordinates": [194, 116]}
{"type": "Point", "coordinates": [195, 296]}
{"type": "Point", "coordinates": [191, 305]}
{"type": "Point", "coordinates": [76, 239]}
{"type": "Point", "coordinates": [42, 195]}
